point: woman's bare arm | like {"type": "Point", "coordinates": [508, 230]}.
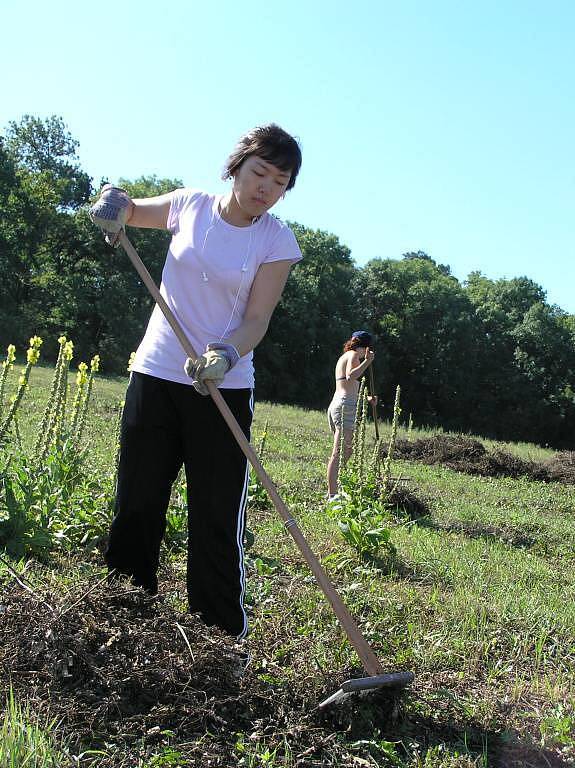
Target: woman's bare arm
{"type": "Point", "coordinates": [266, 291]}
{"type": "Point", "coordinates": [355, 367]}
{"type": "Point", "coordinates": [150, 212]}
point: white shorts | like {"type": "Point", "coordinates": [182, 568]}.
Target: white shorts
{"type": "Point", "coordinates": [341, 411]}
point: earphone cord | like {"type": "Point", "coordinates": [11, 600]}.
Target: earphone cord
{"type": "Point", "coordinates": [244, 270]}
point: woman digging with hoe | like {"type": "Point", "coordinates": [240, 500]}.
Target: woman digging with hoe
{"type": "Point", "coordinates": [226, 267]}
{"type": "Point", "coordinates": [352, 364]}
{"type": "Point", "coordinates": [225, 270]}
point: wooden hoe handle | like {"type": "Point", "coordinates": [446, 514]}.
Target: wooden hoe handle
{"type": "Point", "coordinates": [357, 640]}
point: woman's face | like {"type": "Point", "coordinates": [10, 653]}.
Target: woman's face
{"type": "Point", "coordinates": [258, 185]}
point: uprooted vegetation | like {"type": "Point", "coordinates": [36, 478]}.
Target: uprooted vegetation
{"type": "Point", "coordinates": [469, 455]}
{"type": "Point", "coordinates": [127, 675]}
{"type": "Point", "coordinates": [135, 682]}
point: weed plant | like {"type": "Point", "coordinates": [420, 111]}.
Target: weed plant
{"type": "Point", "coordinates": [48, 498]}
{"type": "Point", "coordinates": [362, 506]}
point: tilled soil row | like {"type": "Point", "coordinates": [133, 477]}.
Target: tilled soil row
{"type": "Point", "coordinates": [130, 675]}
{"type": "Point", "coordinates": [465, 454]}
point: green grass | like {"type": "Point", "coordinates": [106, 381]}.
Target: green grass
{"type": "Point", "coordinates": [480, 602]}
{"type": "Point", "coordinates": [24, 743]}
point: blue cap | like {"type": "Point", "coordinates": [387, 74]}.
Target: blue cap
{"type": "Point", "coordinates": [363, 336]}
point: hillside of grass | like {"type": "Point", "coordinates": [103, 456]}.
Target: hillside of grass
{"type": "Point", "coordinates": [478, 601]}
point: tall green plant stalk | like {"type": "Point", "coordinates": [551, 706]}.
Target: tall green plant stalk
{"type": "Point", "coordinates": [361, 428]}
{"type": "Point", "coordinates": [341, 461]}
{"type": "Point", "coordinates": [32, 356]}
{"type": "Point", "coordinates": [81, 382]}
{"type": "Point", "coordinates": [356, 432]}
{"type": "Point", "coordinates": [41, 445]}
{"type": "Point", "coordinates": [7, 366]}
{"type": "Point", "coordinates": [117, 440]}
{"type": "Point", "coordinates": [257, 494]}
{"type": "Point", "coordinates": [392, 440]}
{"type": "Point", "coordinates": [62, 395]}
{"type": "Point", "coordinates": [17, 434]}
{"type": "Point", "coordinates": [375, 461]}
{"type": "Point", "coordinates": [86, 395]}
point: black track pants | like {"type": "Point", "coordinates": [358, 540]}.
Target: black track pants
{"type": "Point", "coordinates": [165, 425]}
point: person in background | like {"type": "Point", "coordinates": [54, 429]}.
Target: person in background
{"type": "Point", "coordinates": [225, 270]}
{"type": "Point", "coordinates": [351, 365]}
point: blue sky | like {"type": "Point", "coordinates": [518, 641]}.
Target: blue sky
{"type": "Point", "coordinates": [441, 126]}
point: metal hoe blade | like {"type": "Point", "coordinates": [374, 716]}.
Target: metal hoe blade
{"type": "Point", "coordinates": [392, 680]}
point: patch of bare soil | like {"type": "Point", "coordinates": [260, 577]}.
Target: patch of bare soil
{"type": "Point", "coordinates": [561, 467]}
{"type": "Point", "coordinates": [129, 674]}
{"type": "Point", "coordinates": [465, 454]}
{"type": "Point", "coordinates": [406, 502]}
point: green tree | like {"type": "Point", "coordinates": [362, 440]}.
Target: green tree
{"type": "Point", "coordinates": [46, 149]}
{"type": "Point", "coordinates": [426, 337]}
{"type": "Point", "coordinates": [296, 359]}
{"type": "Point", "coordinates": [545, 359]}
{"type": "Point", "coordinates": [92, 291]}
{"type": "Point", "coordinates": [525, 361]}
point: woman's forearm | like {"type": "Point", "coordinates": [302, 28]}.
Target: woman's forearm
{"type": "Point", "coordinates": [248, 335]}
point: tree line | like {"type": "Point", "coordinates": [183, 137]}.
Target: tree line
{"type": "Point", "coordinates": [490, 357]}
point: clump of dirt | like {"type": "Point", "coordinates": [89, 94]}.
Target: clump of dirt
{"type": "Point", "coordinates": [440, 449]}
{"type": "Point", "coordinates": [465, 454]}
{"type": "Point", "coordinates": [561, 467]}
{"type": "Point", "coordinates": [503, 464]}
{"type": "Point", "coordinates": [130, 674]}
{"type": "Point", "coordinates": [406, 502]}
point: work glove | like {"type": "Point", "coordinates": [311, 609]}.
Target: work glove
{"type": "Point", "coordinates": [110, 212]}
{"type": "Point", "coordinates": [213, 365]}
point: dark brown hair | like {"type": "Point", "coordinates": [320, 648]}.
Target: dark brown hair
{"type": "Point", "coordinates": [353, 343]}
{"type": "Point", "coordinates": [271, 143]}
{"type": "Point", "coordinates": [358, 339]}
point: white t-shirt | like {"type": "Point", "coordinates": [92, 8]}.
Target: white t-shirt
{"type": "Point", "coordinates": [206, 281]}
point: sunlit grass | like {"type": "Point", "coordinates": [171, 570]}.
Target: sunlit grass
{"type": "Point", "coordinates": [480, 603]}
{"type": "Point", "coordinates": [25, 743]}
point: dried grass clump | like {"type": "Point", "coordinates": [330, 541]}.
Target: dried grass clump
{"type": "Point", "coordinates": [465, 454]}
{"type": "Point", "coordinates": [561, 467]}
{"type": "Point", "coordinates": [129, 674]}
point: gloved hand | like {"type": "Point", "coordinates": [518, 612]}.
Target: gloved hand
{"type": "Point", "coordinates": [110, 212]}
{"type": "Point", "coordinates": [211, 366]}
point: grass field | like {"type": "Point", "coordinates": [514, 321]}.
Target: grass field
{"type": "Point", "coordinates": [479, 603]}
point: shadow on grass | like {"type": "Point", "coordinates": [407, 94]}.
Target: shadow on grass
{"type": "Point", "coordinates": [474, 530]}
{"type": "Point", "coordinates": [489, 748]}
{"type": "Point", "coordinates": [470, 456]}
{"type": "Point", "coordinates": [388, 716]}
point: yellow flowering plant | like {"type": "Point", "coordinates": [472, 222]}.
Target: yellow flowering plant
{"type": "Point", "coordinates": [32, 357]}
{"type": "Point", "coordinates": [50, 497]}
{"type": "Point", "coordinates": [7, 366]}
{"type": "Point", "coordinates": [81, 382]}
{"type": "Point", "coordinates": [52, 421]}
{"type": "Point", "coordinates": [94, 368]}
